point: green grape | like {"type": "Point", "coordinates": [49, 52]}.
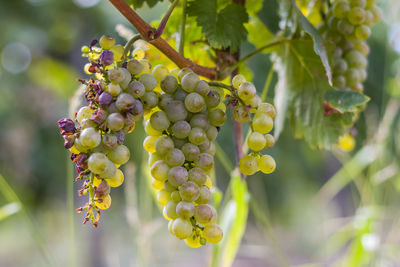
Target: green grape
{"type": "Point", "coordinates": [189, 82]}
{"type": "Point", "coordinates": [160, 71]}
{"type": "Point", "coordinates": [211, 133]}
{"type": "Point", "coordinates": [238, 80]}
{"type": "Point", "coordinates": [149, 144]}
{"type": "Point", "coordinates": [194, 102]}
{"type": "Point", "coordinates": [255, 101]}
{"type": "Point", "coordinates": [205, 195]}
{"type": "Point", "coordinates": [359, 3]}
{"type": "Point", "coordinates": [163, 197]}
{"type": "Point", "coordinates": [170, 210]}
{"type": "Point", "coordinates": [163, 145]}
{"type": "Point", "coordinates": [150, 131]}
{"type": "Point", "coordinates": [356, 15]}
{"type": "Point", "coordinates": [362, 32]}
{"type": "Point", "coordinates": [120, 155]}
{"type": "Point", "coordinates": [205, 161]}
{"type": "Point", "coordinates": [197, 175]}
{"type": "Point", "coordinates": [149, 81]}
{"type": "Point", "coordinates": [169, 84]}
{"type": "Point", "coordinates": [340, 9]}
{"type": "Point", "coordinates": [164, 100]}
{"type": "Point", "coordinates": [246, 91]}
{"type": "Point", "coordinates": [212, 149]}
{"type": "Point", "coordinates": [213, 233]}
{"type": "Point", "coordinates": [109, 171]}
{"type": "Point", "coordinates": [180, 95]}
{"type": "Point", "coordinates": [205, 214]}
{"type": "Point", "coordinates": [106, 42]}
{"type": "Point", "coordinates": [248, 165]}
{"type": "Point", "coordinates": [182, 228]}
{"type": "Point", "coordinates": [256, 141]}
{"type": "Point", "coordinates": [204, 146]}
{"type": "Point", "coordinates": [159, 170]}
{"type": "Point", "coordinates": [159, 121]}
{"type": "Point", "coordinates": [266, 108]}
{"type": "Point", "coordinates": [117, 75]}
{"type": "Point", "coordinates": [339, 82]}
{"type": "Point", "coordinates": [212, 99]}
{"type": "Point", "coordinates": [217, 117]}
{"type": "Point", "coordinates": [340, 66]}
{"type": "Point", "coordinates": [134, 67]}
{"type": "Point", "coordinates": [124, 102]}
{"type": "Point", "coordinates": [352, 77]}
{"type": "Point", "coordinates": [197, 136]}
{"type": "Point", "coordinates": [153, 158]}
{"type": "Point", "coordinates": [90, 138]}
{"type": "Point", "coordinates": [176, 197]}
{"type": "Point", "coordinates": [241, 114]}
{"type": "Point", "coordinates": [177, 176]}
{"type": "Point", "coordinates": [180, 129]}
{"type": "Point", "coordinates": [266, 164]}
{"type": "Point", "coordinates": [79, 146]}
{"type": "Point", "coordinates": [190, 151]}
{"type": "Point", "coordinates": [185, 210]}
{"type": "Point", "coordinates": [114, 89]}
{"type": "Point", "coordinates": [202, 88]}
{"type": "Point", "coordinates": [199, 121]}
{"type": "Point", "coordinates": [345, 27]}
{"type": "Point", "coordinates": [363, 75]}
{"type": "Point", "coordinates": [189, 191]}
{"type": "Point", "coordinates": [183, 72]}
{"type": "Point", "coordinates": [262, 123]}
{"type": "Point", "coordinates": [356, 60]}
{"type": "Point", "coordinates": [146, 65]}
{"type": "Point", "coordinates": [84, 113]}
{"type": "Point", "coordinates": [170, 188]}
{"type": "Point", "coordinates": [179, 143]}
{"type": "Point", "coordinates": [97, 163]}
{"type": "Point", "coordinates": [362, 47]}
{"type": "Point", "coordinates": [136, 89]}
{"type": "Point", "coordinates": [115, 121]}
{"type": "Point", "coordinates": [109, 141]}
{"type": "Point", "coordinates": [149, 100]}
{"type": "Point", "coordinates": [369, 18]}
{"type": "Point", "coordinates": [176, 111]}
{"type": "Point", "coordinates": [377, 12]}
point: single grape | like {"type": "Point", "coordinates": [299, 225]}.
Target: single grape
{"type": "Point", "coordinates": [255, 101]}
{"type": "Point", "coordinates": [174, 157]}
{"type": "Point", "coordinates": [149, 143]}
{"type": "Point", "coordinates": [97, 162]}
{"type": "Point", "coordinates": [340, 9]}
{"type": "Point", "coordinates": [136, 89]}
{"type": "Point", "coordinates": [362, 32]}
{"type": "Point", "coordinates": [345, 27]}
{"type": "Point", "coordinates": [197, 175]}
{"type": "Point", "coordinates": [159, 170]}
{"type": "Point", "coordinates": [199, 121]}
{"type": "Point", "coordinates": [176, 111]}
{"type": "Point", "coordinates": [204, 146]}
{"type": "Point", "coordinates": [115, 121]}
{"type": "Point", "coordinates": [169, 84]}
{"type": "Point", "coordinates": [163, 197]}
{"type": "Point", "coordinates": [149, 100]}
{"type": "Point", "coordinates": [205, 161]}
{"type": "Point", "coordinates": [159, 121]}
{"type": "Point", "coordinates": [105, 99]}
{"type": "Point", "coordinates": [238, 80]}
{"type": "Point", "coordinates": [266, 164]}
{"type": "Point", "coordinates": [164, 101]}
{"type": "Point", "coordinates": [246, 91]}
{"type": "Point", "coordinates": [109, 171]}
{"type": "Point", "coordinates": [202, 88]}
{"type": "Point", "coordinates": [146, 65]}
{"type": "Point", "coordinates": [352, 77]}
{"type": "Point", "coordinates": [377, 12]}
{"type": "Point", "coordinates": [183, 72]}
{"type": "Point", "coordinates": [102, 190]}
{"type": "Point", "coordinates": [170, 188]}
{"type": "Point", "coordinates": [149, 81]}
{"type": "Point", "coordinates": [356, 15]}
{"type": "Point", "coordinates": [104, 203]}
{"type": "Point", "coordinates": [180, 129]}
{"type": "Point", "coordinates": [217, 117]}
{"type": "Point", "coordinates": [356, 60]}
{"type": "Point", "coordinates": [117, 179]}
{"type": "Point", "coordinates": [211, 133]}
{"type": "Point", "coordinates": [197, 136]}
{"type": "Point", "coordinates": [189, 191]}
{"type": "Point", "coordinates": [84, 113]}
{"type": "Point", "coordinates": [106, 58]}
{"type": "Point", "coordinates": [118, 51]}
{"type": "Point", "coordinates": [340, 66]}
{"type": "Point", "coordinates": [177, 176]}
{"type": "Point", "coordinates": [240, 114]}
{"type": "Point", "coordinates": [180, 95]}
{"type": "Point", "coordinates": [256, 141]}
{"type": "Point", "coordinates": [163, 144]}
{"type": "Point", "coordinates": [182, 228]}
{"type": "Point", "coordinates": [120, 155]}
{"type": "Point", "coordinates": [106, 42]}
{"type": "Point", "coordinates": [134, 67]}
{"type": "Point", "coordinates": [170, 210]}
{"type": "Point", "coordinates": [205, 214]}
{"type": "Point", "coordinates": [248, 165]}
{"type": "Point", "coordinates": [160, 71]}
{"type": "Point", "coordinates": [124, 102]}
{"type": "Point", "coordinates": [189, 82]}
{"type": "Point", "coordinates": [185, 210]}
{"type": "Point", "coordinates": [194, 102]}
{"type": "Point", "coordinates": [190, 151]}
{"type": "Point", "coordinates": [90, 138]}
{"type": "Point", "coordinates": [213, 233]}
{"type": "Point", "coordinates": [263, 123]}
{"type": "Point", "coordinates": [205, 195]}
{"type": "Point", "coordinates": [116, 75]}
{"type": "Point", "coordinates": [212, 99]}
{"type": "Point", "coordinates": [193, 240]}
{"type": "Point", "coordinates": [153, 158]}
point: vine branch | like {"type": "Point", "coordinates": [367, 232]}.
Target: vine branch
{"type": "Point", "coordinates": [149, 34]}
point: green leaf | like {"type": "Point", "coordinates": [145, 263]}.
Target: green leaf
{"type": "Point", "coordinates": [319, 46]}
{"type": "Point", "coordinates": [224, 27]}
{"type": "Point", "coordinates": [299, 96]}
{"type": "Point", "coordinates": [139, 3]}
{"type": "Point", "coordinates": [345, 101]}
{"type": "Point", "coordinates": [233, 222]}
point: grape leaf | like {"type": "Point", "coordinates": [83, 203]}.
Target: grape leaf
{"type": "Point", "coordinates": [299, 96]}
{"type": "Point", "coordinates": [223, 28]}
{"type": "Point", "coordinates": [139, 3]}
{"type": "Point", "coordinates": [345, 101]}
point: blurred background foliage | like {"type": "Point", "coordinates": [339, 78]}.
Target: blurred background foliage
{"type": "Point", "coordinates": [318, 208]}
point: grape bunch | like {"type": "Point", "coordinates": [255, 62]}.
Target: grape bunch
{"type": "Point", "coordinates": [348, 26]}
{"type": "Point", "coordinates": [245, 102]}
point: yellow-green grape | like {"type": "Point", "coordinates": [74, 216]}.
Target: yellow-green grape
{"type": "Point", "coordinates": [189, 82]}
{"type": "Point", "coordinates": [182, 72]}
{"type": "Point", "coordinates": [248, 165]}
{"type": "Point", "coordinates": [106, 42]}
{"type": "Point", "coordinates": [138, 53]}
{"type": "Point", "coordinates": [212, 233]}
{"type": "Point", "coordinates": [109, 171]}
{"type": "Point", "coordinates": [146, 65]}
{"type": "Point", "coordinates": [150, 130]}
{"type": "Point", "coordinates": [256, 141]}
{"type": "Point", "coordinates": [159, 170]}
{"type": "Point", "coordinates": [158, 185]}
{"type": "Point", "coordinates": [362, 32]}
{"type": "Point", "coordinates": [84, 113]}
{"type": "Point", "coordinates": [182, 228]}
{"type": "Point", "coordinates": [159, 72]}
{"type": "Point", "coordinates": [185, 210]}
{"type": "Point", "coordinates": [117, 180]}
{"type": "Point", "coordinates": [153, 157]}
{"type": "Point", "coordinates": [193, 240]}
{"type": "Point", "coordinates": [104, 203]}
{"type": "Point", "coordinates": [246, 91]}
{"type": "Point", "coordinates": [170, 210]}
{"type": "Point", "coordinates": [120, 155]}
{"type": "Point", "coordinates": [114, 89]}
{"type": "Point", "coordinates": [266, 108]}
{"type": "Point", "coordinates": [149, 143]}
{"type": "Point", "coordinates": [170, 223]}
{"type": "Point", "coordinates": [263, 123]}
{"type": "Point", "coordinates": [118, 51]}
{"type": "Point", "coordinates": [205, 214]}
{"type": "Point", "coordinates": [238, 80]}
{"type": "Point", "coordinates": [90, 137]}
{"type": "Point", "coordinates": [97, 162]}
{"type": "Point", "coordinates": [269, 141]}
{"type": "Point", "coordinates": [163, 197]}
{"type": "Point", "coordinates": [266, 164]}
{"type": "Point", "coordinates": [85, 49]}
{"type": "Point", "coordinates": [240, 114]}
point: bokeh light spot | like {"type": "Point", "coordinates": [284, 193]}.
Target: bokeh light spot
{"type": "Point", "coordinates": [15, 57]}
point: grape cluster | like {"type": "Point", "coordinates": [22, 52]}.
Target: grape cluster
{"type": "Point", "coordinates": [96, 137]}
{"type": "Point", "coordinates": [182, 120]}
{"type": "Point", "coordinates": [245, 102]}
{"type": "Point", "coordinates": [348, 26]}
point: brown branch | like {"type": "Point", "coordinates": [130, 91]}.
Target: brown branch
{"type": "Point", "coordinates": [148, 34]}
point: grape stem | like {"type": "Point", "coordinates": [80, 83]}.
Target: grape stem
{"type": "Point", "coordinates": [129, 44]}
{"type": "Point", "coordinates": [149, 34]}
{"type": "Point", "coordinates": [164, 20]}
